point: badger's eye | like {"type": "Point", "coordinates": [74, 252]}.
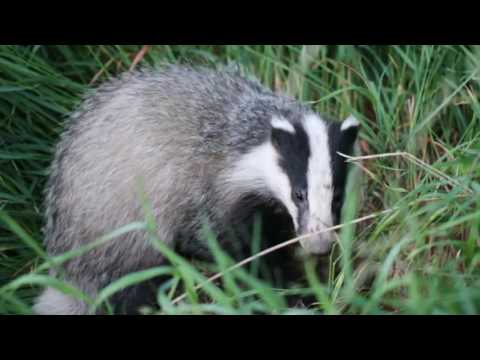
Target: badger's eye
{"type": "Point", "coordinates": [300, 195]}
{"type": "Point", "coordinates": [337, 198]}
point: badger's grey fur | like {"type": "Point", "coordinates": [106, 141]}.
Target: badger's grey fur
{"type": "Point", "coordinates": [205, 146]}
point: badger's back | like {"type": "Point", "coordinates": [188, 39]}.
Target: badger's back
{"type": "Point", "coordinates": [169, 133]}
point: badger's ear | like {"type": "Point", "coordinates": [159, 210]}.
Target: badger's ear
{"type": "Point", "coordinates": [350, 123]}
{"type": "Point", "coordinates": [282, 124]}
{"type": "Point", "coordinates": [349, 132]}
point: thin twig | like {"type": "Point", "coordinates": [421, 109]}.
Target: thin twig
{"type": "Point", "coordinates": [139, 57]}
{"type": "Point", "coordinates": [101, 71]}
{"type": "Point", "coordinates": [277, 247]}
{"type": "Point", "coordinates": [413, 159]}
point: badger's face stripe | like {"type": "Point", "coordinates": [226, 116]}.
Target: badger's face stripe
{"type": "Point", "coordinates": [304, 157]}
{"type": "Point", "coordinates": [293, 156]}
{"type": "Point", "coordinates": [319, 176]}
{"type": "Point", "coordinates": [342, 138]}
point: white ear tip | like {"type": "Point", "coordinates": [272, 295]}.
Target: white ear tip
{"type": "Point", "coordinates": [282, 124]}
{"type": "Point", "coordinates": [349, 122]}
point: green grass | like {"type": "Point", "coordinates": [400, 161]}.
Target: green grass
{"type": "Point", "coordinates": [422, 257]}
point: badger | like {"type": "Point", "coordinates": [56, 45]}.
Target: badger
{"type": "Point", "coordinates": [209, 146]}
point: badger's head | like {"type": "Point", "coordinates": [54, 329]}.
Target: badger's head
{"type": "Point", "coordinates": [301, 169]}
{"type": "Point", "coordinates": [308, 175]}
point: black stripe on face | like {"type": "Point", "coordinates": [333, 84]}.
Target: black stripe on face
{"type": "Point", "coordinates": [341, 141]}
{"type": "Point", "coordinates": [294, 151]}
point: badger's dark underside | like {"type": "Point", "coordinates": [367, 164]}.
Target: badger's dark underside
{"type": "Point", "coordinates": [280, 269]}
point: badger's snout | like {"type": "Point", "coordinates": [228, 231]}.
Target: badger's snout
{"type": "Point", "coordinates": [318, 244]}
{"type": "Point", "coordinates": [316, 240]}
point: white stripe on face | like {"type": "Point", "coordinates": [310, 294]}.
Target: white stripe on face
{"type": "Point", "coordinates": [319, 176]}
{"type": "Point", "coordinates": [259, 169]}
